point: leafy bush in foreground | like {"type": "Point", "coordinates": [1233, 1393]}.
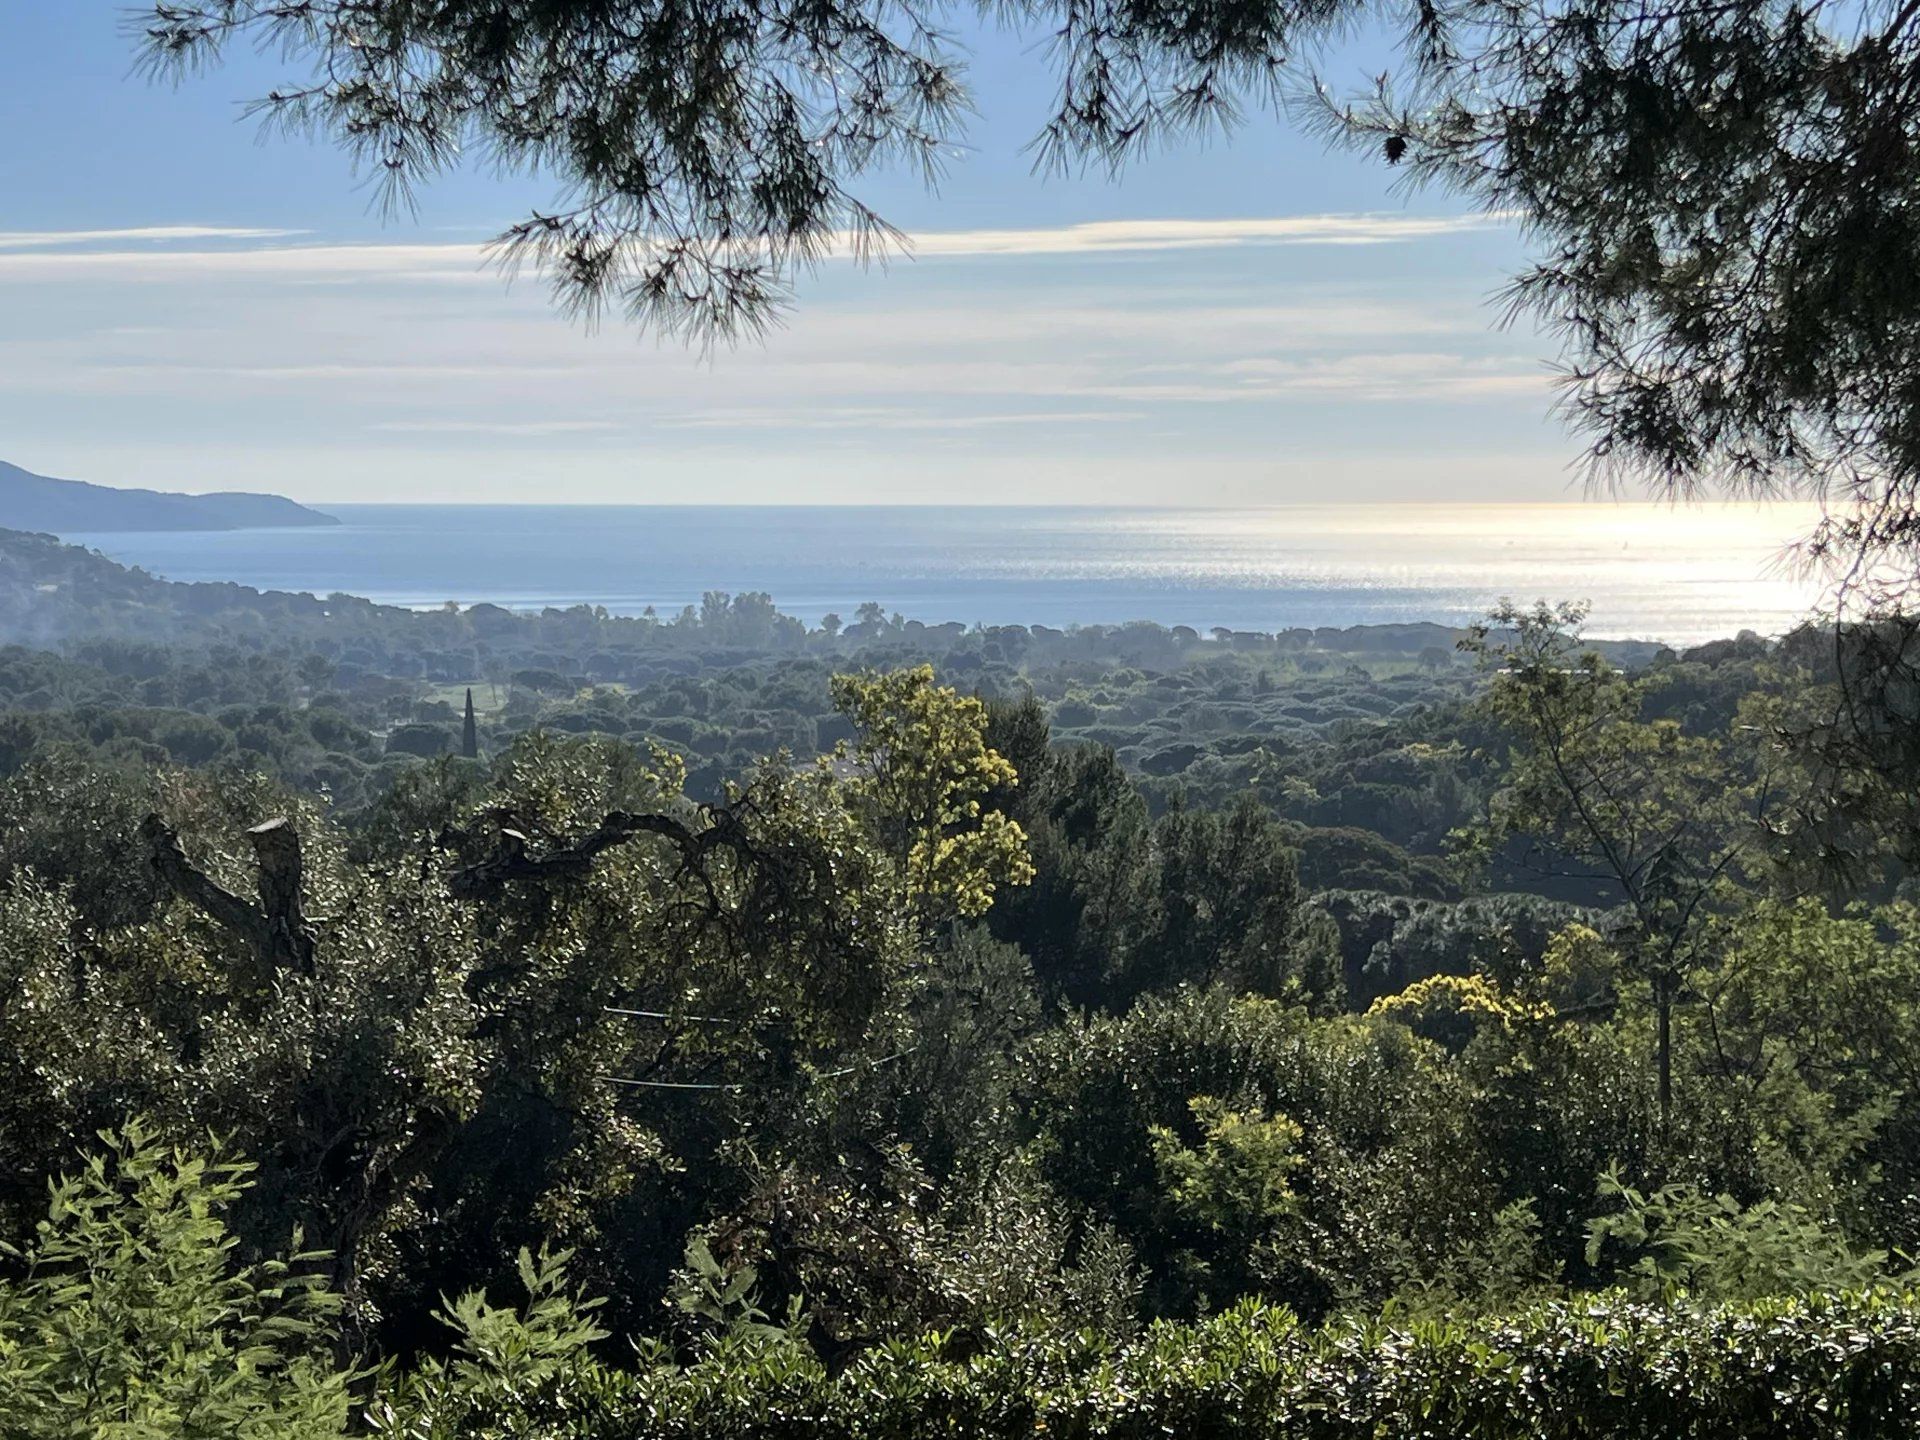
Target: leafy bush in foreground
{"type": "Point", "coordinates": [131, 1317]}
{"type": "Point", "coordinates": [134, 1318]}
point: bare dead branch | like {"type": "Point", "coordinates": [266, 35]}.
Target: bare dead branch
{"type": "Point", "coordinates": [276, 928]}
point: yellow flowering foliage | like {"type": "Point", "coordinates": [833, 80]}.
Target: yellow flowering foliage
{"type": "Point", "coordinates": [1452, 1009]}
{"type": "Point", "coordinates": [1579, 970]}
{"type": "Point", "coordinates": [925, 769]}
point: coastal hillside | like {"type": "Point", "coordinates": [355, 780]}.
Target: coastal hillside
{"type": "Point", "coordinates": [59, 595]}
{"type": "Point", "coordinates": [66, 507]}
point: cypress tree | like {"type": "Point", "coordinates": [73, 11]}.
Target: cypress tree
{"type": "Point", "coordinates": [470, 731]}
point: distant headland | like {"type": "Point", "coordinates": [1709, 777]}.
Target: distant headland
{"type": "Point", "coordinates": [74, 507]}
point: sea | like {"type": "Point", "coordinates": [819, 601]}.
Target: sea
{"type": "Point", "coordinates": [1680, 574]}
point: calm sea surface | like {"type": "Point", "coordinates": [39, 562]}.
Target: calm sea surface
{"type": "Point", "coordinates": [1649, 571]}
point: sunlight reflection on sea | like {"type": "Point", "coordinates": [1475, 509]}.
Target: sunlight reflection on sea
{"type": "Point", "coordinates": [1678, 574]}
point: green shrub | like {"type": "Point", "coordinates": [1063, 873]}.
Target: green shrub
{"type": "Point", "coordinates": [1599, 1369]}
{"type": "Point", "coordinates": [131, 1319]}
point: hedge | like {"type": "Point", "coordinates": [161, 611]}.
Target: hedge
{"type": "Point", "coordinates": [1578, 1370]}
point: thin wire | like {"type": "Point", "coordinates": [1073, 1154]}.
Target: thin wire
{"type": "Point", "coordinates": [663, 1015]}
{"type": "Point", "coordinates": [875, 1065]}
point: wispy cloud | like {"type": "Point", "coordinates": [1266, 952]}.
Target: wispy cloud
{"type": "Point", "coordinates": [910, 374]}
{"type": "Point", "coordinates": [289, 262]}
{"type": "Point", "coordinates": [863, 418]}
{"type": "Point", "coordinates": [1366, 376]}
{"type": "Point", "coordinates": [152, 234]}
{"type": "Point", "coordinates": [1230, 346]}
{"type": "Point", "coordinates": [503, 428]}
{"type": "Point", "coordinates": [1134, 235]}
{"type": "Point", "coordinates": [53, 255]}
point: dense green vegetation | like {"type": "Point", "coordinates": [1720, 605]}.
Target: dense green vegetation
{"type": "Point", "coordinates": [1795, 1370]}
{"type": "Point", "coordinates": [900, 1027]}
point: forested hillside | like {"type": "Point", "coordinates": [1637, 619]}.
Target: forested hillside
{"type": "Point", "coordinates": [895, 1020]}
{"type": "Point", "coordinates": [30, 502]}
{"type": "Point", "coordinates": [1357, 738]}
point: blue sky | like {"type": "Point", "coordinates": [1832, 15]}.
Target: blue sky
{"type": "Point", "coordinates": [1242, 322]}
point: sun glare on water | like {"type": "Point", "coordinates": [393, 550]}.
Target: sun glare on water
{"type": "Point", "coordinates": [1682, 573]}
